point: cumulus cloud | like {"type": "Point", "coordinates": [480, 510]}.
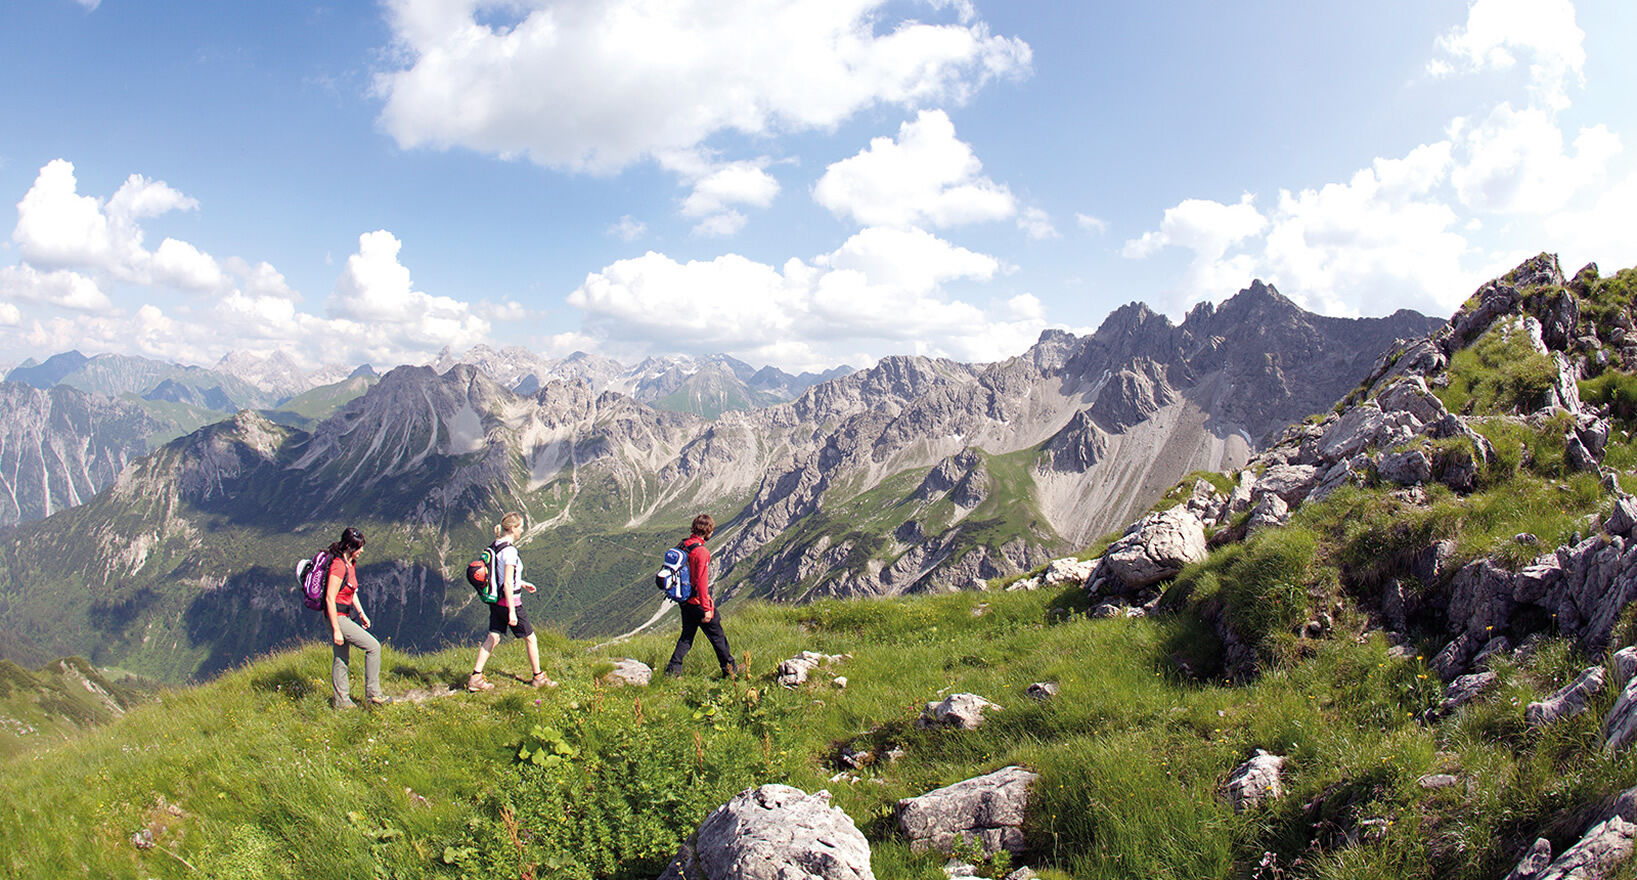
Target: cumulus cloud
{"type": "Point", "coordinates": [881, 292]}
{"type": "Point", "coordinates": [1206, 227]}
{"type": "Point", "coordinates": [720, 186]}
{"type": "Point", "coordinates": [1516, 161]}
{"type": "Point", "coordinates": [1600, 231]}
{"type": "Point", "coordinates": [57, 228]}
{"type": "Point", "coordinates": [1378, 240]}
{"type": "Point", "coordinates": [10, 315]}
{"type": "Point", "coordinates": [926, 177]}
{"type": "Point", "coordinates": [1497, 31]}
{"type": "Point", "coordinates": [393, 320]}
{"type": "Point", "coordinates": [61, 287]}
{"type": "Point", "coordinates": [1383, 239]}
{"type": "Point", "coordinates": [598, 86]}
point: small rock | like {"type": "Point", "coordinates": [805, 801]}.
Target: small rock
{"type": "Point", "coordinates": [1538, 859]}
{"type": "Point", "coordinates": [1464, 689]}
{"type": "Point", "coordinates": [1256, 781]}
{"type": "Point", "coordinates": [964, 711]}
{"type": "Point", "coordinates": [142, 839]}
{"type": "Point", "coordinates": [1569, 700]}
{"type": "Point", "coordinates": [1435, 781]}
{"type": "Point", "coordinates": [794, 671]}
{"type": "Point", "coordinates": [1042, 690]}
{"type": "Point", "coordinates": [840, 682]}
{"type": "Point", "coordinates": [628, 671]}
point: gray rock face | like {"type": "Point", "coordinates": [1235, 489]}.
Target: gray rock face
{"type": "Point", "coordinates": [964, 711]}
{"type": "Point", "coordinates": [989, 809]}
{"type": "Point", "coordinates": [1605, 847]}
{"type": "Point", "coordinates": [1410, 395]}
{"type": "Point", "coordinates": [58, 448]}
{"type": "Point", "coordinates": [774, 832]}
{"type": "Point", "coordinates": [1271, 510]}
{"type": "Point", "coordinates": [1538, 859]}
{"type": "Point", "coordinates": [1156, 547]}
{"type": "Point", "coordinates": [627, 671]}
{"type": "Point", "coordinates": [1291, 482]}
{"type": "Point", "coordinates": [1255, 782]}
{"type": "Point", "coordinates": [1465, 689]}
{"type": "Point", "coordinates": [1406, 468]}
{"type": "Point", "coordinates": [1568, 701]}
{"type": "Point", "coordinates": [1620, 725]}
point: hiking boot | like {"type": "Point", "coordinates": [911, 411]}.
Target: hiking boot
{"type": "Point", "coordinates": [730, 671]}
{"type": "Point", "coordinates": [540, 680]}
{"type": "Point", "coordinates": [477, 683]}
{"type": "Point", "coordinates": [381, 701]}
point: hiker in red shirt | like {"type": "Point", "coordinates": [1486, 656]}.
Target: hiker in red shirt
{"type": "Point", "coordinates": [340, 601]}
{"type": "Point", "coordinates": [698, 610]}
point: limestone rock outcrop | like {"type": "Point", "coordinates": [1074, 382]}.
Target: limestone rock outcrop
{"type": "Point", "coordinates": [775, 832]}
{"type": "Point", "coordinates": [989, 809]}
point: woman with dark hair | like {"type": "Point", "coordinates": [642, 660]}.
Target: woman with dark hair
{"type": "Point", "coordinates": [340, 600]}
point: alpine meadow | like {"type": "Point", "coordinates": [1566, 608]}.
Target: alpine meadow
{"type": "Point", "coordinates": [801, 440]}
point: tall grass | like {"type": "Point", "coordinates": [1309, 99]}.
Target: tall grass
{"type": "Point", "coordinates": [267, 781]}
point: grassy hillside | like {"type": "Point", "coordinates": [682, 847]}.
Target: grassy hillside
{"type": "Point", "coordinates": [43, 707]}
{"type": "Point", "coordinates": [253, 775]}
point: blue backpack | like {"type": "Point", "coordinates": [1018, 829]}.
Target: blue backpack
{"type": "Point", "coordinates": [673, 578]}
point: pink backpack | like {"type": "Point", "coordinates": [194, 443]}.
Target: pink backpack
{"type": "Point", "coordinates": [313, 575]}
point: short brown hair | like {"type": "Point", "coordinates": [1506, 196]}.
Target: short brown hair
{"type": "Point", "coordinates": [704, 526]}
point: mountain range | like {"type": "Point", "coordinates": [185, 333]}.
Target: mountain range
{"type": "Point", "coordinates": [915, 475]}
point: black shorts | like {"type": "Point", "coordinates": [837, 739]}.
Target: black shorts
{"type": "Point", "coordinates": [498, 615]}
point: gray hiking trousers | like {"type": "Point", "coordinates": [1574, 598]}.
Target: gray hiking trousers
{"type": "Point", "coordinates": [355, 636]}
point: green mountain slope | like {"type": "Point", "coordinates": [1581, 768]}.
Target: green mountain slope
{"type": "Point", "coordinates": [43, 707]}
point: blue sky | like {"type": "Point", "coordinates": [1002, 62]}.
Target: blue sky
{"type": "Point", "coordinates": [799, 183]}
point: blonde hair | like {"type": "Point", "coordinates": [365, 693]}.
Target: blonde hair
{"type": "Point", "coordinates": [510, 524]}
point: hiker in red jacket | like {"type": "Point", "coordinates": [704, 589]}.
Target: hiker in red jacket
{"type": "Point", "coordinates": [698, 610]}
{"type": "Point", "coordinates": [340, 601]}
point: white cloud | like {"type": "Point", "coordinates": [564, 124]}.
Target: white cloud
{"type": "Point", "coordinates": [1516, 161]}
{"type": "Point", "coordinates": [734, 183]}
{"type": "Point", "coordinates": [1036, 224]}
{"type": "Point", "coordinates": [10, 315]}
{"type": "Point", "coordinates": [927, 177]}
{"type": "Point", "coordinates": [718, 187]}
{"type": "Point", "coordinates": [597, 86]}
{"type": "Point", "coordinates": [1093, 225]}
{"type": "Point", "coordinates": [1601, 232]}
{"type": "Point", "coordinates": [90, 5]}
{"type": "Point", "coordinates": [882, 290]}
{"type": "Point", "coordinates": [1206, 227]}
{"type": "Point", "coordinates": [1382, 240]}
{"type": "Point", "coordinates": [62, 287]}
{"type": "Point", "coordinates": [628, 229]}
{"type": "Point", "coordinates": [1496, 31]}
{"type": "Point", "coordinates": [913, 260]}
{"type": "Point", "coordinates": [722, 225]}
{"type": "Point", "coordinates": [393, 320]}
{"type": "Point", "coordinates": [57, 228]}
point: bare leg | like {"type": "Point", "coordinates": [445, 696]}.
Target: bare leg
{"type": "Point", "coordinates": [534, 653]}
{"type": "Point", "coordinates": [490, 642]}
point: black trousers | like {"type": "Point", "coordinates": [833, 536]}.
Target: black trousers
{"type": "Point", "coordinates": [693, 620]}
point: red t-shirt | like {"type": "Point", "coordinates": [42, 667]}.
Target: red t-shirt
{"type": "Point", "coordinates": [340, 567]}
{"type": "Point", "coordinates": [699, 563]}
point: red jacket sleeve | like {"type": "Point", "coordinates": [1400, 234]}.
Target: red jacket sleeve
{"type": "Point", "coordinates": [699, 563]}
